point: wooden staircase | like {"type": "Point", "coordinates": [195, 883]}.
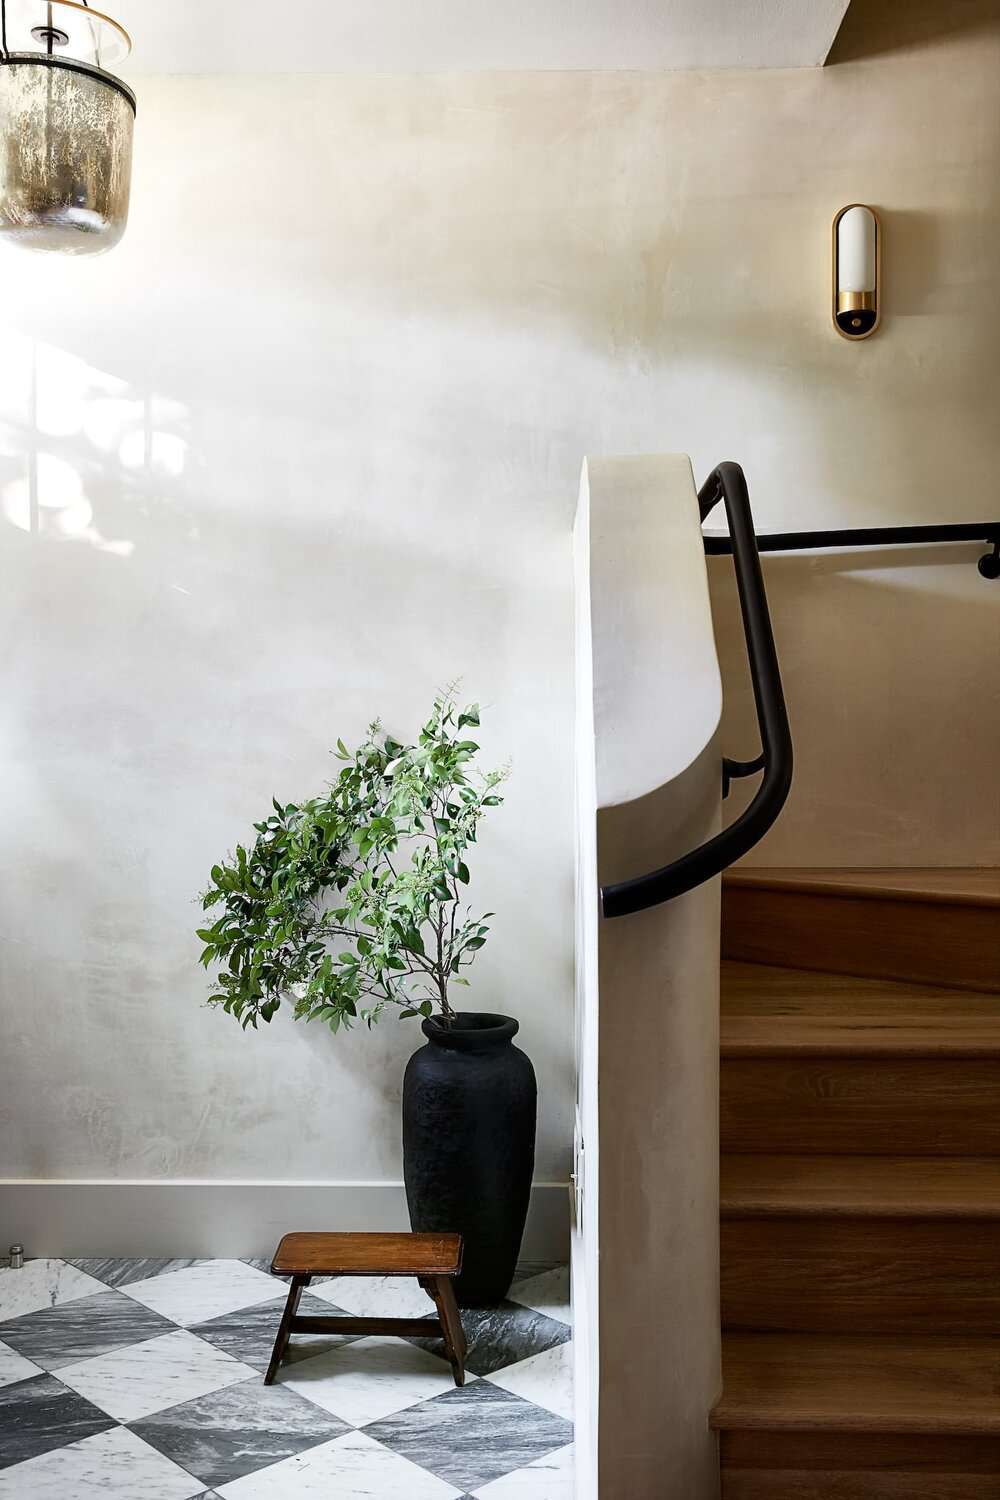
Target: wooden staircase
{"type": "Point", "coordinates": [860, 1120]}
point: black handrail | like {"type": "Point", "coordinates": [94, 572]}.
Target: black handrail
{"type": "Point", "coordinates": [874, 536]}
{"type": "Point", "coordinates": [727, 483]}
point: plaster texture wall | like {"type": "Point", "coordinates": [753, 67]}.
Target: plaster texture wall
{"type": "Point", "coordinates": [306, 445]}
{"type": "Point", "coordinates": [647, 1223]}
{"type": "Point", "coordinates": [449, 35]}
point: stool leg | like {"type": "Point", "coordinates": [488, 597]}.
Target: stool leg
{"type": "Point", "coordinates": [451, 1324]}
{"type": "Point", "coordinates": [284, 1327]}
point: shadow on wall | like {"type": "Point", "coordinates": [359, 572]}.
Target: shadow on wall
{"type": "Point", "coordinates": [875, 28]}
{"type": "Point", "coordinates": [893, 685]}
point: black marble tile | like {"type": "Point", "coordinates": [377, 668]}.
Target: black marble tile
{"type": "Point", "coordinates": [249, 1333]}
{"type": "Point", "coordinates": [40, 1414]}
{"type": "Point", "coordinates": [502, 1335]}
{"type": "Point", "coordinates": [221, 1437]}
{"type": "Point", "coordinates": [473, 1434]}
{"type": "Point", "coordinates": [121, 1271]}
{"type": "Point", "coordinates": [82, 1329]}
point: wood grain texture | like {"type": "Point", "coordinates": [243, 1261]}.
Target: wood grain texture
{"type": "Point", "coordinates": [842, 930]}
{"type": "Point", "coordinates": [860, 1383]}
{"type": "Point", "coordinates": [877, 1187]}
{"type": "Point", "coordinates": [948, 885]}
{"type": "Point", "coordinates": [888, 1106]}
{"type": "Point", "coordinates": [775, 1012]}
{"type": "Point", "coordinates": [759, 1484]}
{"type": "Point", "coordinates": [305, 1254]}
{"type": "Point", "coordinates": [856, 1275]}
{"type": "Point", "coordinates": [907, 1452]}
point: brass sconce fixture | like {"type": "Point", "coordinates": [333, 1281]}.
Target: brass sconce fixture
{"type": "Point", "coordinates": [857, 271]}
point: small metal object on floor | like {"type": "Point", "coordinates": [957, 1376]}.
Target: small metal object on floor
{"type": "Point", "coordinates": [433, 1259]}
{"type": "Point", "coordinates": [16, 1261]}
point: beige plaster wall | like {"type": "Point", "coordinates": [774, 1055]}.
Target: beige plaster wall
{"type": "Point", "coordinates": [306, 445]}
{"type": "Point", "coordinates": [891, 658]}
{"type": "Point", "coordinates": [647, 1222]}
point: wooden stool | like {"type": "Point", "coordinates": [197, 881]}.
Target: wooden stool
{"type": "Point", "coordinates": [434, 1259]}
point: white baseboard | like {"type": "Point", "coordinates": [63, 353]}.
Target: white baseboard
{"type": "Point", "coordinates": [197, 1218]}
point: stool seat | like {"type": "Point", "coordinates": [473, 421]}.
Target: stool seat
{"type": "Point", "coordinates": [368, 1255]}
{"type": "Point", "coordinates": [434, 1259]}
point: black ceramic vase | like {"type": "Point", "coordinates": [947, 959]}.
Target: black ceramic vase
{"type": "Point", "coordinates": [469, 1145]}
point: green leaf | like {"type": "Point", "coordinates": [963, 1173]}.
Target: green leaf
{"type": "Point", "coordinates": [371, 842]}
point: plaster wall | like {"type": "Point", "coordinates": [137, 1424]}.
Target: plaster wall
{"type": "Point", "coordinates": [647, 1199]}
{"type": "Point", "coordinates": [306, 446]}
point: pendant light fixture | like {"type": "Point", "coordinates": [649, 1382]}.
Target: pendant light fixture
{"type": "Point", "coordinates": [65, 127]}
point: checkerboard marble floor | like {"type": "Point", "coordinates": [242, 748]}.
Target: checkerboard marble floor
{"type": "Point", "coordinates": [143, 1380]}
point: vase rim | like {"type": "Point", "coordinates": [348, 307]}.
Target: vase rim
{"type": "Point", "coordinates": [473, 1031]}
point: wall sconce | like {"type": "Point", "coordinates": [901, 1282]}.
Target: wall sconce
{"type": "Point", "coordinates": [857, 271]}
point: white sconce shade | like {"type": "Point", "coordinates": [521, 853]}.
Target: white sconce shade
{"type": "Point", "coordinates": [856, 249]}
{"type": "Point", "coordinates": [856, 271]}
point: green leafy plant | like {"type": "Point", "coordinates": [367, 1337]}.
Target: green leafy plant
{"type": "Point", "coordinates": [353, 902]}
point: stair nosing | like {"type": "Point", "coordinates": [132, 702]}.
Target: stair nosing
{"type": "Point", "coordinates": [804, 1411]}
{"type": "Point", "coordinates": [767, 1187]}
{"type": "Point", "coordinates": [815, 884]}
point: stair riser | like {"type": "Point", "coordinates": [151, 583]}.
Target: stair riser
{"type": "Point", "coordinates": [924, 1453]}
{"type": "Point", "coordinates": [930, 942]}
{"type": "Point", "coordinates": [895, 1107]}
{"type": "Point", "coordinates": [764, 1484]}
{"type": "Point", "coordinates": [763, 1465]}
{"type": "Point", "coordinates": [861, 1275]}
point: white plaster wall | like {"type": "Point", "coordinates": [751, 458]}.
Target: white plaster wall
{"type": "Point", "coordinates": [307, 445]}
{"type": "Point", "coordinates": [446, 35]}
{"type": "Point", "coordinates": [646, 1233]}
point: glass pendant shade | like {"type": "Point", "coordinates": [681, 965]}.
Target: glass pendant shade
{"type": "Point", "coordinates": [65, 131]}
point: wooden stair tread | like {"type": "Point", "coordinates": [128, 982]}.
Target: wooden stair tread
{"type": "Point", "coordinates": [859, 1383]}
{"type": "Point", "coordinates": [764, 1186]}
{"type": "Point", "coordinates": [968, 886]}
{"type": "Point", "coordinates": [770, 1011]}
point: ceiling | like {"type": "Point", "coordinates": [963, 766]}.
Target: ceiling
{"type": "Point", "coordinates": [223, 36]}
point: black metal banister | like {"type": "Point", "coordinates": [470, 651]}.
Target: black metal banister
{"type": "Point", "coordinates": [874, 536]}
{"type": "Point", "coordinates": [727, 483]}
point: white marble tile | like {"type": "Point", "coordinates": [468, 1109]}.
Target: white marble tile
{"type": "Point", "coordinates": [204, 1291]}
{"type": "Point", "coordinates": [42, 1283]}
{"type": "Point", "coordinates": [352, 1467]}
{"type": "Point", "coordinates": [548, 1478]}
{"type": "Point", "coordinates": [14, 1366]}
{"type": "Point", "coordinates": [148, 1377]}
{"type": "Point", "coordinates": [546, 1379]}
{"type": "Point", "coordinates": [546, 1293]}
{"type": "Point", "coordinates": [369, 1379]}
{"type": "Point", "coordinates": [114, 1465]}
{"type": "Point", "coordinates": [377, 1296]}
